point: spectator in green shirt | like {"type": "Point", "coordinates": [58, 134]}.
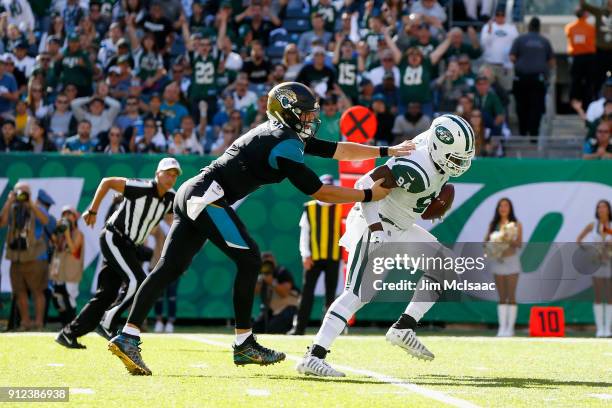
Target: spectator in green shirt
{"type": "Point", "coordinates": [458, 46]}
{"type": "Point", "coordinates": [415, 74]}
{"type": "Point", "coordinates": [76, 67]}
{"type": "Point", "coordinates": [487, 101]}
{"type": "Point", "coordinates": [330, 119]}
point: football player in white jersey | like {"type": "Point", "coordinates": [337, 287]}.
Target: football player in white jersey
{"type": "Point", "coordinates": [445, 150]}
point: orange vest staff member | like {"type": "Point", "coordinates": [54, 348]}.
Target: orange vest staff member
{"type": "Point", "coordinates": [583, 72]}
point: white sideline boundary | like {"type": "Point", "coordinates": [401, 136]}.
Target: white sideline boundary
{"type": "Point", "coordinates": [428, 393]}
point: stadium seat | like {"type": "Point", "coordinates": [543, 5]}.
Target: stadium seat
{"type": "Point", "coordinates": [294, 38]}
{"type": "Point", "coordinates": [275, 51]}
{"type": "Point", "coordinates": [296, 25]}
{"type": "Point", "coordinates": [297, 13]}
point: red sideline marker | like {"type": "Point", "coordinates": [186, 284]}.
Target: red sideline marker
{"type": "Point", "coordinates": [547, 321]}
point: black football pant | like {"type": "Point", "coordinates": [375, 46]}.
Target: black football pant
{"type": "Point", "coordinates": [120, 264]}
{"type": "Point", "coordinates": [217, 222]}
{"type": "Point", "coordinates": [584, 72]}
{"type": "Point", "coordinates": [330, 268]}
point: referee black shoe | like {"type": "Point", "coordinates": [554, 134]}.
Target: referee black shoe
{"type": "Point", "coordinates": [107, 334]}
{"type": "Point", "coordinates": [251, 352]}
{"type": "Point", "coordinates": [68, 341]}
{"type": "Point", "coordinates": [127, 348]}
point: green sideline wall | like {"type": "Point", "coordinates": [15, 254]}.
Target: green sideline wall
{"type": "Point", "coordinates": [272, 214]}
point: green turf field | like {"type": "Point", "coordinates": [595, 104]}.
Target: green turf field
{"type": "Point", "coordinates": [196, 370]}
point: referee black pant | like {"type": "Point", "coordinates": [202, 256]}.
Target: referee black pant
{"type": "Point", "coordinates": [330, 268]}
{"type": "Point", "coordinates": [216, 221]}
{"type": "Point", "coordinates": [530, 95]}
{"type": "Point", "coordinates": [120, 265]}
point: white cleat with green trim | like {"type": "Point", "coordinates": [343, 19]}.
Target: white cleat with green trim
{"type": "Point", "coordinates": [407, 339]}
{"type": "Point", "coordinates": [312, 365]}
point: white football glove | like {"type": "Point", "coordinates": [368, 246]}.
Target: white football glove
{"type": "Point", "coordinates": [377, 238]}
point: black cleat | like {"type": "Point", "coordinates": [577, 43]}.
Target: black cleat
{"type": "Point", "coordinates": [251, 352]}
{"type": "Point", "coordinates": [128, 350]}
{"type": "Point", "coordinates": [67, 341]}
{"type": "Point", "coordinates": [107, 334]}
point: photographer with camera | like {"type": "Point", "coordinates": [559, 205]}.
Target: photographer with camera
{"type": "Point", "coordinates": [67, 265]}
{"type": "Point", "coordinates": [25, 245]}
{"type": "Point", "coordinates": [279, 297]}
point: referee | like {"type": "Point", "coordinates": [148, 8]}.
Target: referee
{"type": "Point", "coordinates": [144, 205]}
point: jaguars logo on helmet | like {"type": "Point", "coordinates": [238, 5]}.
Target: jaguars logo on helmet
{"type": "Point", "coordinates": [294, 105]}
{"type": "Point", "coordinates": [286, 97]}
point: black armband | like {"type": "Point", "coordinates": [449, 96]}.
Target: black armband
{"type": "Point", "coordinates": [367, 195]}
{"type": "Point", "coordinates": [384, 151]}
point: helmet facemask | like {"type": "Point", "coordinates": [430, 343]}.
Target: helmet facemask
{"type": "Point", "coordinates": [308, 122]}
{"type": "Point", "coordinates": [452, 163]}
{"type": "Point", "coordinates": [457, 164]}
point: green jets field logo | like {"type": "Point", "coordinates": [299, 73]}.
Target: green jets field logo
{"type": "Point", "coordinates": [444, 135]}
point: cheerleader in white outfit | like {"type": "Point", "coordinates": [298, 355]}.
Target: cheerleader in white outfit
{"type": "Point", "coordinates": [600, 231]}
{"type": "Point", "coordinates": [507, 233]}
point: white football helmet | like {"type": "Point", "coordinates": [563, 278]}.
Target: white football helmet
{"type": "Point", "coordinates": [451, 144]}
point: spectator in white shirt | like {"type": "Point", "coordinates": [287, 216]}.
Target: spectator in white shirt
{"type": "Point", "coordinates": [23, 62]}
{"type": "Point", "coordinates": [20, 14]}
{"type": "Point", "coordinates": [387, 65]}
{"type": "Point", "coordinates": [596, 108]}
{"type": "Point", "coordinates": [432, 13]}
{"type": "Point", "coordinates": [496, 39]}
{"type": "Point", "coordinates": [100, 112]}
{"type": "Point", "coordinates": [185, 140]}
{"type": "Point", "coordinates": [243, 98]}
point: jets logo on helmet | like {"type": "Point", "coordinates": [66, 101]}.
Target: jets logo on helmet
{"type": "Point", "coordinates": [444, 135]}
{"type": "Point", "coordinates": [451, 144]}
{"type": "Point", "coordinates": [295, 106]}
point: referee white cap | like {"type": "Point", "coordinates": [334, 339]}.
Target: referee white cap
{"type": "Point", "coordinates": [168, 163]}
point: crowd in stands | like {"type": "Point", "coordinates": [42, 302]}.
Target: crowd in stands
{"type": "Point", "coordinates": [590, 50]}
{"type": "Point", "coordinates": [190, 76]}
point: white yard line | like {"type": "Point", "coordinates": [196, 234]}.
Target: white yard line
{"type": "Point", "coordinates": [254, 392]}
{"type": "Point", "coordinates": [605, 397]}
{"type": "Point", "coordinates": [426, 392]}
{"type": "Point", "coordinates": [87, 391]}
{"type": "Point", "coordinates": [55, 364]}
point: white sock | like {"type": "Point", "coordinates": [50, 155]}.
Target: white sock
{"type": "Point", "coordinates": [598, 311]}
{"type": "Point", "coordinates": [511, 309]}
{"type": "Point", "coordinates": [336, 317]}
{"type": "Point", "coordinates": [502, 317]}
{"type": "Point", "coordinates": [241, 337]}
{"type": "Point", "coordinates": [417, 310]}
{"type": "Point", "coordinates": [608, 320]}
{"type": "Point", "coordinates": [131, 330]}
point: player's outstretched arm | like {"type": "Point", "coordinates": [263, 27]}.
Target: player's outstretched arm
{"type": "Point", "coordinates": [336, 194]}
{"type": "Point", "coordinates": [306, 180]}
{"type": "Point", "coordinates": [356, 151]}
{"type": "Point", "coordinates": [115, 183]}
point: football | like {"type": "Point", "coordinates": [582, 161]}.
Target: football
{"type": "Point", "coordinates": [440, 205]}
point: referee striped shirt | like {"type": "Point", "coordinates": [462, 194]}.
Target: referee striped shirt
{"type": "Point", "coordinates": [141, 210]}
